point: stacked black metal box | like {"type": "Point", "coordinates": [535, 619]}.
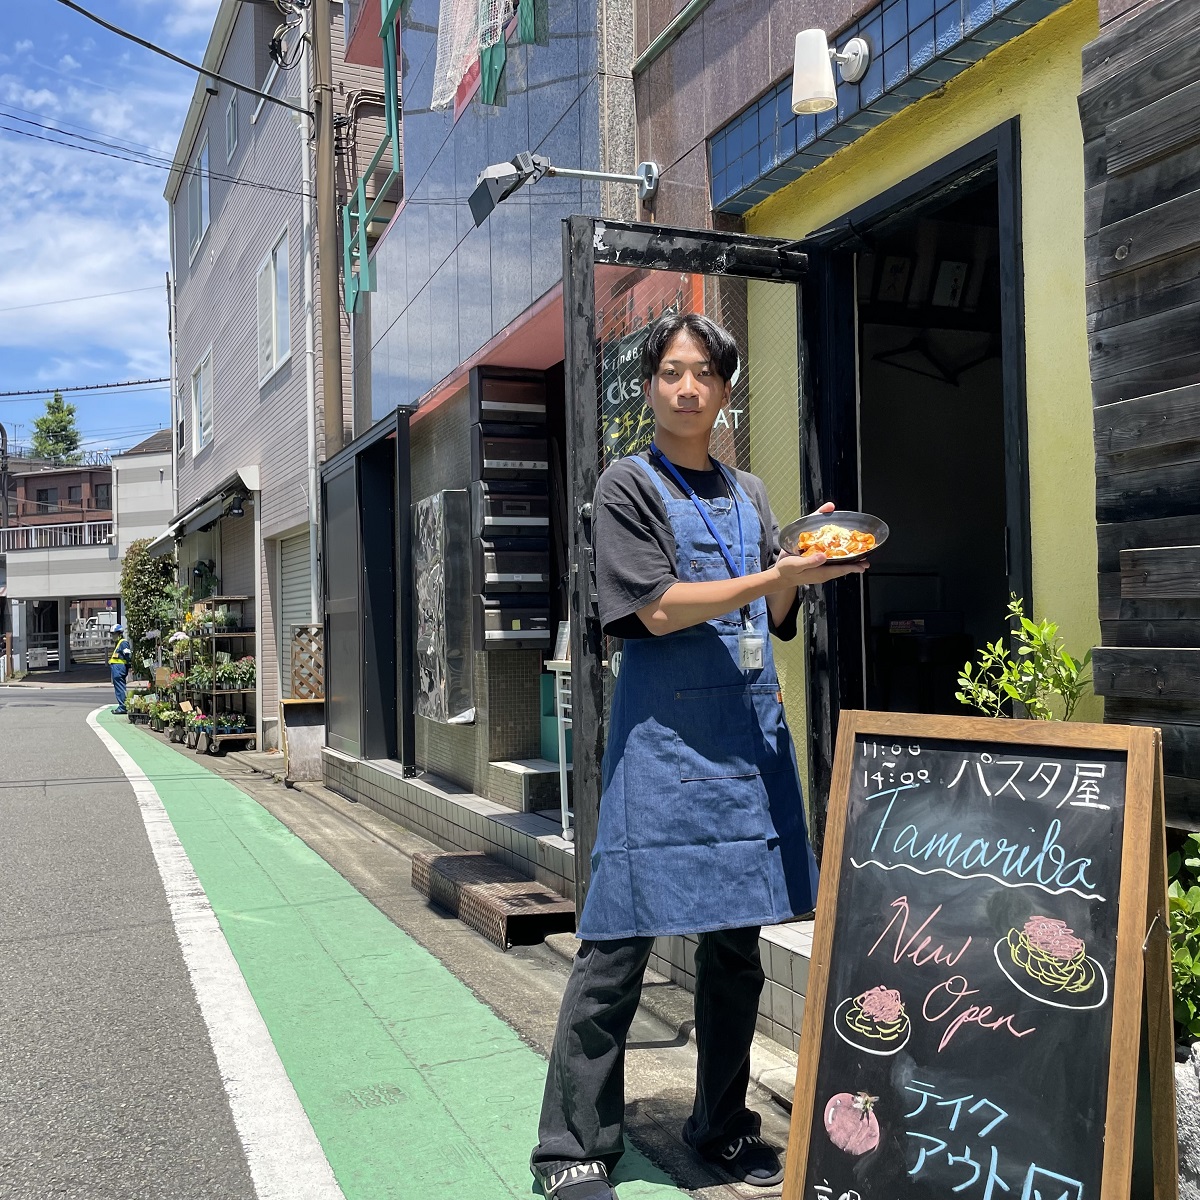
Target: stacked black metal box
{"type": "Point", "coordinates": [510, 510]}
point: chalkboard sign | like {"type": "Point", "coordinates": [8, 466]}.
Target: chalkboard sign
{"type": "Point", "coordinates": [975, 994]}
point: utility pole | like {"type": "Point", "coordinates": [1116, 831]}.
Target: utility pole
{"type": "Point", "coordinates": [3, 477]}
{"type": "Point", "coordinates": [327, 242]}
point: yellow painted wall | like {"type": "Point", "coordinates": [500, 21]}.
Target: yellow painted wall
{"type": "Point", "coordinates": [1037, 78]}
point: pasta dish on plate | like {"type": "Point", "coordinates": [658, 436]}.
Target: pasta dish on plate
{"type": "Point", "coordinates": [1051, 953]}
{"type": "Point", "coordinates": [836, 541]}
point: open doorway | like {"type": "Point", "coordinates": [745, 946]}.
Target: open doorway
{"type": "Point", "coordinates": [932, 453]}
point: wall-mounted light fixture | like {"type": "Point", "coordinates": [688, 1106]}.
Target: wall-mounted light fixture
{"type": "Point", "coordinates": [813, 87]}
{"type": "Point", "coordinates": [497, 182]}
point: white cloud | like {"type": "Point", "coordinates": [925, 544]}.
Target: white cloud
{"type": "Point", "coordinates": [80, 224]}
{"type": "Point", "coordinates": [75, 223]}
{"type": "Point", "coordinates": [14, 93]}
{"type": "Point", "coordinates": [183, 18]}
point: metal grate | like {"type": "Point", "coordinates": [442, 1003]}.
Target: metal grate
{"type": "Point", "coordinates": [493, 899]}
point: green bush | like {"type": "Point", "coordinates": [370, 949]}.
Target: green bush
{"type": "Point", "coordinates": [147, 589]}
{"type": "Point", "coordinates": [1041, 677]}
{"type": "Point", "coordinates": [1183, 870]}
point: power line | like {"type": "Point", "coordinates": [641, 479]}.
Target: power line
{"type": "Point", "coordinates": [93, 396]}
{"type": "Point", "coordinates": [69, 125]}
{"type": "Point", "coordinates": [144, 161]}
{"type": "Point", "coordinates": [148, 153]}
{"type": "Point", "coordinates": [76, 299]}
{"type": "Point", "coordinates": [90, 387]}
{"type": "Point", "coordinates": [183, 62]}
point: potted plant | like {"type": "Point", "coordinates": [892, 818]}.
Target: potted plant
{"type": "Point", "coordinates": [231, 723]}
{"type": "Point", "coordinates": [1183, 896]}
{"type": "Point", "coordinates": [200, 677]}
{"type": "Point", "coordinates": [1041, 680]}
{"type": "Point", "coordinates": [174, 721]}
{"type": "Point", "coordinates": [197, 723]}
{"type": "Point", "coordinates": [179, 646]}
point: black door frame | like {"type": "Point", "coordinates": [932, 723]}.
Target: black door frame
{"type": "Point", "coordinates": [386, 719]}
{"type": "Point", "coordinates": [829, 434]}
{"type": "Point", "coordinates": [588, 242]}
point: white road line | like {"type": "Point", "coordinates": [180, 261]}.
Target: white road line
{"type": "Point", "coordinates": [285, 1158]}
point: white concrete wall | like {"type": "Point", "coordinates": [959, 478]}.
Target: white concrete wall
{"type": "Point", "coordinates": [142, 501]}
{"type": "Point", "coordinates": [74, 571]}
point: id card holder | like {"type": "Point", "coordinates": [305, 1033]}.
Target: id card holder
{"type": "Point", "coordinates": [750, 650]}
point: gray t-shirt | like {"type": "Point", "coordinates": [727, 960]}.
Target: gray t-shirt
{"type": "Point", "coordinates": [635, 547]}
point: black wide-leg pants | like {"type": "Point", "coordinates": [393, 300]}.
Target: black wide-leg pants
{"type": "Point", "coordinates": [583, 1109]}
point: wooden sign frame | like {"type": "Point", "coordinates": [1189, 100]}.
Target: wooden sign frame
{"type": "Point", "coordinates": [1142, 979]}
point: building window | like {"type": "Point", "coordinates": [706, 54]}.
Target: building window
{"type": "Point", "coordinates": [179, 433]}
{"type": "Point", "coordinates": [231, 127]}
{"type": "Point", "coordinates": [274, 311]}
{"type": "Point", "coordinates": [202, 404]}
{"type": "Point", "coordinates": [198, 210]}
{"type": "Point", "coordinates": [75, 496]}
{"type": "Point", "coordinates": [102, 496]}
{"type": "Point", "coordinates": [47, 500]}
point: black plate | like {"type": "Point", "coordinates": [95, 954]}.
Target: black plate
{"type": "Point", "coordinates": [789, 535]}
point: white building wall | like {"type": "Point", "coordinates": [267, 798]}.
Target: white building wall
{"type": "Point", "coordinates": [77, 572]}
{"type": "Point", "coordinates": [142, 500]}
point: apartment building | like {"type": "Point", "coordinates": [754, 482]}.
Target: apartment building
{"type": "Point", "coordinates": [247, 400]}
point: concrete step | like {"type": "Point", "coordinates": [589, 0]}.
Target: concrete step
{"type": "Point", "coordinates": [495, 900]}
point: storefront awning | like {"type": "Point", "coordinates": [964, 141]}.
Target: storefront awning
{"type": "Point", "coordinates": [201, 517]}
{"type": "Point", "coordinates": [162, 545]}
{"type": "Point", "coordinates": [205, 512]}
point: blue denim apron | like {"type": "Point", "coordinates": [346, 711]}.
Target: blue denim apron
{"type": "Point", "coordinates": [701, 821]}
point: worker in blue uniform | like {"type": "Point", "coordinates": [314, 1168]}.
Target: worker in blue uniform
{"type": "Point", "coordinates": [701, 825]}
{"type": "Point", "coordinates": [118, 664]}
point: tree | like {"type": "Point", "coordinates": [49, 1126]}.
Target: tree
{"type": "Point", "coordinates": [148, 600]}
{"type": "Point", "coordinates": [55, 434]}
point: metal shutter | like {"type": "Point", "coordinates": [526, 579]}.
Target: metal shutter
{"type": "Point", "coordinates": [295, 600]}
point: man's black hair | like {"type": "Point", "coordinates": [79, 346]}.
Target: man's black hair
{"type": "Point", "coordinates": [722, 349]}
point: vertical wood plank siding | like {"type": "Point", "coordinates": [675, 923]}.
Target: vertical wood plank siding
{"type": "Point", "coordinates": [1140, 111]}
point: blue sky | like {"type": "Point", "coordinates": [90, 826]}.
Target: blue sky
{"type": "Point", "coordinates": [75, 224]}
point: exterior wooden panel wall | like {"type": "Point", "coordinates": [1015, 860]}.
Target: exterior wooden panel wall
{"type": "Point", "coordinates": [1140, 111]}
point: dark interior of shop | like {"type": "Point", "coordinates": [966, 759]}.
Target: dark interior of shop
{"type": "Point", "coordinates": [932, 449]}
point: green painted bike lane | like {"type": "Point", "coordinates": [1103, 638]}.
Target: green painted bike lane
{"type": "Point", "coordinates": [414, 1087]}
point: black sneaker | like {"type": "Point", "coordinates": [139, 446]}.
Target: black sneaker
{"type": "Point", "coordinates": [749, 1159]}
{"type": "Point", "coordinates": [576, 1181]}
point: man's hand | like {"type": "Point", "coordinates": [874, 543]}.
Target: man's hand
{"type": "Point", "coordinates": [815, 567]}
{"type": "Point", "coordinates": [796, 570]}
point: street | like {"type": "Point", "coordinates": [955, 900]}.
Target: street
{"type": "Point", "coordinates": [328, 1034]}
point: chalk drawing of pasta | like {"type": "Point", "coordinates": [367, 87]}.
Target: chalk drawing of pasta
{"type": "Point", "coordinates": [873, 1021]}
{"type": "Point", "coordinates": [1047, 962]}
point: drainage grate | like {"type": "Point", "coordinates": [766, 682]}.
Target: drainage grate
{"type": "Point", "coordinates": [493, 899]}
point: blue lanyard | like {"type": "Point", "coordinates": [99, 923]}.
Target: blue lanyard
{"type": "Point", "coordinates": [689, 492]}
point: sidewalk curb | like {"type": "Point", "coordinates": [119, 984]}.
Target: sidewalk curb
{"type": "Point", "coordinates": [771, 1067]}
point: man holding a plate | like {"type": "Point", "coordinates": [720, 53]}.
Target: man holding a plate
{"type": "Point", "coordinates": [701, 827]}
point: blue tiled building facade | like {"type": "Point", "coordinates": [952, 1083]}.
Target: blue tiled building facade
{"type": "Point", "coordinates": [444, 288]}
{"type": "Point", "coordinates": [916, 47]}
